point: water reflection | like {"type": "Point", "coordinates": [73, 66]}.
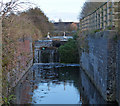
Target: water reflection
{"type": "Point", "coordinates": [49, 84]}
{"type": "Point", "coordinates": [89, 93]}
{"type": "Point", "coordinates": [57, 84]}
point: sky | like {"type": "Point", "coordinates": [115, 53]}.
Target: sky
{"type": "Point", "coordinates": [66, 10]}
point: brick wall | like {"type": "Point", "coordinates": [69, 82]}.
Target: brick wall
{"type": "Point", "coordinates": [23, 61]}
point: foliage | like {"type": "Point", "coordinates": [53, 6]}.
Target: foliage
{"type": "Point", "coordinates": [83, 43]}
{"type": "Point", "coordinates": [12, 6]}
{"type": "Point", "coordinates": [115, 38]}
{"type": "Point", "coordinates": [110, 28]}
{"type": "Point", "coordinates": [69, 52]}
{"type": "Point", "coordinates": [17, 29]}
{"type": "Point", "coordinates": [75, 36]}
{"type": "Point", "coordinates": [94, 31]}
{"type": "Point", "coordinates": [39, 19]}
{"type": "Point", "coordinates": [8, 99]}
{"type": "Point", "coordinates": [97, 30]}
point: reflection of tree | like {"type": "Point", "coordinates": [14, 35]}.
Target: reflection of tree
{"type": "Point", "coordinates": [61, 74]}
{"type": "Point", "coordinates": [48, 75]}
{"type": "Point", "coordinates": [68, 73]}
{"type": "Point", "coordinates": [23, 91]}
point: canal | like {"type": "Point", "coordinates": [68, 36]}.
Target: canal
{"type": "Point", "coordinates": [55, 83]}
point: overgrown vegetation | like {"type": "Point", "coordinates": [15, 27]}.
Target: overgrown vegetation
{"type": "Point", "coordinates": [7, 100]}
{"type": "Point", "coordinates": [83, 43]}
{"type": "Point", "coordinates": [18, 31]}
{"type": "Point", "coordinates": [69, 52]}
{"type": "Point", "coordinates": [38, 18]}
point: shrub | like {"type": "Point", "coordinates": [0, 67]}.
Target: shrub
{"type": "Point", "coordinates": [69, 52]}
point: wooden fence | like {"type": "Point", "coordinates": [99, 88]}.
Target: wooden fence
{"type": "Point", "coordinates": [106, 16]}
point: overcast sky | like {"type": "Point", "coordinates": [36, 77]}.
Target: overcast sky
{"type": "Point", "coordinates": [67, 10]}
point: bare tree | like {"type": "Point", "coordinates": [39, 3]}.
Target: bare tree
{"type": "Point", "coordinates": [13, 6]}
{"type": "Point", "coordinates": [89, 7]}
{"type": "Point", "coordinates": [0, 61]}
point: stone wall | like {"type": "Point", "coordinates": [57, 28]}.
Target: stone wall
{"type": "Point", "coordinates": [49, 53]}
{"type": "Point", "coordinates": [100, 62]}
{"type": "Point", "coordinates": [37, 50]}
{"type": "Point", "coordinates": [43, 43]}
{"type": "Point", "coordinates": [118, 73]}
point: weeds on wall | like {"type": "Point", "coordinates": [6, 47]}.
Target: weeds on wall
{"type": "Point", "coordinates": [83, 43]}
{"type": "Point", "coordinates": [7, 100]}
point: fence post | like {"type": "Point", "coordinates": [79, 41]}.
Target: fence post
{"type": "Point", "coordinates": [107, 15]}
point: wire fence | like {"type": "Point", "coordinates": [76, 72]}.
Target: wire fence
{"type": "Point", "coordinates": [105, 17]}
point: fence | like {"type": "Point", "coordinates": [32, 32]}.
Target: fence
{"type": "Point", "coordinates": [107, 15]}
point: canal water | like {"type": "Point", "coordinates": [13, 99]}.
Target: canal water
{"type": "Point", "coordinates": [55, 83]}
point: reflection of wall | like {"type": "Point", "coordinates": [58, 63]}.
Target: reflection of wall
{"type": "Point", "coordinates": [24, 89]}
{"type": "Point", "coordinates": [89, 93]}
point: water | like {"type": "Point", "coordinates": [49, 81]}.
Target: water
{"type": "Point", "coordinates": [49, 83]}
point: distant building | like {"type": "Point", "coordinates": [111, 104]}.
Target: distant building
{"type": "Point", "coordinates": [65, 26]}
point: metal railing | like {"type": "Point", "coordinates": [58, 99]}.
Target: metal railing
{"type": "Point", "coordinates": [103, 17]}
